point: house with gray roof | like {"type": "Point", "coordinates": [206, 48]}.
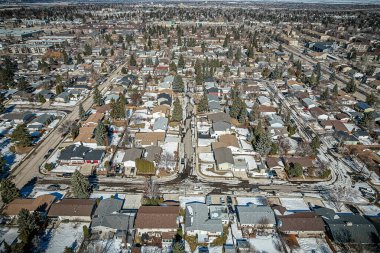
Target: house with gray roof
{"type": "Point", "coordinates": [223, 158]}
{"type": "Point", "coordinates": [130, 156]}
{"type": "Point", "coordinates": [40, 122]}
{"type": "Point", "coordinates": [198, 222]}
{"type": "Point", "coordinates": [252, 217]}
{"type": "Point", "coordinates": [63, 97]}
{"type": "Point", "coordinates": [79, 154]}
{"type": "Point", "coordinates": [214, 106]}
{"type": "Point", "coordinates": [161, 124]}
{"type": "Point", "coordinates": [221, 128]}
{"type": "Point", "coordinates": [19, 117]}
{"type": "Point", "coordinates": [348, 228]}
{"type": "Point", "coordinates": [109, 218]}
{"type": "Point", "coordinates": [151, 153]}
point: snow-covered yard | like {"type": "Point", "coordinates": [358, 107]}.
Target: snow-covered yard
{"type": "Point", "coordinates": [259, 200]}
{"type": "Point", "coordinates": [110, 246]}
{"type": "Point", "coordinates": [294, 204]}
{"type": "Point", "coordinates": [66, 235]}
{"type": "Point", "coordinates": [103, 195]}
{"type": "Point", "coordinates": [316, 245]}
{"type": "Point", "coordinates": [205, 170]}
{"type": "Point", "coordinates": [265, 244]}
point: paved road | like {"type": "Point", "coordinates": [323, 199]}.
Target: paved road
{"type": "Point", "coordinates": [29, 168]}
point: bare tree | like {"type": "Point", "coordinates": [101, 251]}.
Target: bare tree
{"type": "Point", "coordinates": [304, 149]}
{"type": "Point", "coordinates": [150, 188]}
{"type": "Point", "coordinates": [167, 160]}
{"type": "Point", "coordinates": [338, 195]}
{"type": "Point", "coordinates": [284, 146]}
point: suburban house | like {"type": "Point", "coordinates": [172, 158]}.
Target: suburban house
{"type": "Point", "coordinates": [302, 224]}
{"type": "Point", "coordinates": [19, 117]}
{"type": "Point", "coordinates": [348, 228]}
{"type": "Point", "coordinates": [157, 220]}
{"type": "Point", "coordinates": [79, 154]}
{"type": "Point", "coordinates": [199, 223]}
{"type": "Point", "coordinates": [108, 217]}
{"type": "Point", "coordinates": [130, 157]}
{"type": "Point", "coordinates": [253, 217]}
{"type": "Point", "coordinates": [223, 158]}
{"type": "Point", "coordinates": [318, 113]}
{"type": "Point", "coordinates": [73, 209]}
{"type": "Point", "coordinates": [40, 204]}
{"type": "Point", "coordinates": [149, 139]}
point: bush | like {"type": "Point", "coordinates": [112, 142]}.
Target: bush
{"type": "Point", "coordinates": [326, 173]}
{"type": "Point", "coordinates": [49, 166]}
{"type": "Point", "coordinates": [86, 232]}
{"type": "Point", "coordinates": [145, 167]}
{"type": "Point", "coordinates": [295, 170]}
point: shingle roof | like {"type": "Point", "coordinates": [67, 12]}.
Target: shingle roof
{"type": "Point", "coordinates": [72, 207]}
{"type": "Point", "coordinates": [223, 155]}
{"type": "Point", "coordinates": [197, 218]}
{"type": "Point", "coordinates": [304, 221]}
{"type": "Point", "coordinates": [43, 201]}
{"type": "Point", "coordinates": [255, 214]}
{"type": "Point", "coordinates": [152, 217]}
{"type": "Point", "coordinates": [132, 154]}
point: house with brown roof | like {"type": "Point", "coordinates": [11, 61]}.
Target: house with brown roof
{"type": "Point", "coordinates": [93, 119]}
{"type": "Point", "coordinates": [157, 219]}
{"type": "Point", "coordinates": [41, 204]}
{"type": "Point", "coordinates": [318, 113]}
{"type": "Point", "coordinates": [149, 139]}
{"type": "Point", "coordinates": [230, 140]}
{"type": "Point", "coordinates": [73, 209]}
{"type": "Point", "coordinates": [305, 162]}
{"type": "Point", "coordinates": [302, 224]}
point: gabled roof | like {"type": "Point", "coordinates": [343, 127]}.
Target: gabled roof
{"type": "Point", "coordinates": [132, 154]}
{"type": "Point", "coordinates": [72, 207]}
{"type": "Point", "coordinates": [223, 155]}
{"type": "Point", "coordinates": [154, 217]}
{"type": "Point", "coordinates": [42, 202]}
{"type": "Point", "coordinates": [255, 214]}
{"type": "Point", "coordinates": [302, 221]}
{"type": "Point", "coordinates": [197, 218]}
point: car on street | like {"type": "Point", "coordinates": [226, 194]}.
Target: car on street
{"type": "Point", "coordinates": [50, 151]}
{"type": "Point", "coordinates": [54, 187]}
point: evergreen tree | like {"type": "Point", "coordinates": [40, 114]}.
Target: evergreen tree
{"type": "Point", "coordinates": [82, 113]}
{"type": "Point", "coordinates": [181, 62]}
{"type": "Point", "coordinates": [8, 190]}
{"type": "Point", "coordinates": [325, 94]}
{"type": "Point", "coordinates": [80, 185]}
{"type": "Point", "coordinates": [124, 71]}
{"type": "Point", "coordinates": [173, 67]}
{"type": "Point", "coordinates": [87, 50]}
{"type": "Point", "coordinates": [29, 225]}
{"type": "Point", "coordinates": [332, 77]}
{"type": "Point", "coordinates": [315, 144]}
{"type": "Point", "coordinates": [178, 85]}
{"type": "Point", "coordinates": [101, 134]}
{"type": "Point", "coordinates": [58, 89]}
{"type": "Point", "coordinates": [203, 104]}
{"type": "Point", "coordinates": [79, 59]}
{"type": "Point", "coordinates": [335, 90]}
{"type": "Point", "coordinates": [351, 86]}
{"type": "Point", "coordinates": [370, 99]}
{"type": "Point", "coordinates": [226, 40]}
{"type": "Point", "coordinates": [177, 111]}
{"type": "Point", "coordinates": [21, 136]}
{"type": "Point", "coordinates": [132, 61]}
{"type": "Point", "coordinates": [3, 164]}
{"type": "Point", "coordinates": [178, 247]}
{"type": "Point", "coordinates": [280, 48]}
{"type": "Point", "coordinates": [98, 99]}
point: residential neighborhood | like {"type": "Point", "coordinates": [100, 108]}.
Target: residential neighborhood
{"type": "Point", "coordinates": [171, 126]}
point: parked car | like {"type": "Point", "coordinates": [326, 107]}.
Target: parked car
{"type": "Point", "coordinates": [54, 187]}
